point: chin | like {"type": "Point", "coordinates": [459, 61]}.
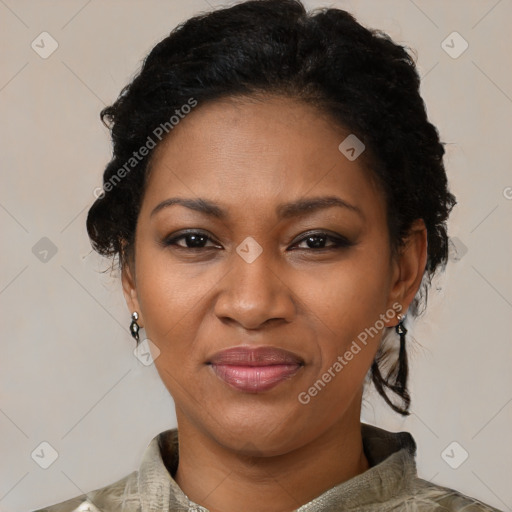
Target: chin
{"type": "Point", "coordinates": [252, 431]}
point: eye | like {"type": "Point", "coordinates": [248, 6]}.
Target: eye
{"type": "Point", "coordinates": [193, 240]}
{"type": "Point", "coordinates": [316, 241]}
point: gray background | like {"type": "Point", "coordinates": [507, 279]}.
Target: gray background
{"type": "Point", "coordinates": [67, 372]}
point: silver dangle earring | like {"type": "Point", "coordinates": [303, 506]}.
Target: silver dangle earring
{"type": "Point", "coordinates": [134, 326]}
{"type": "Point", "coordinates": [400, 327]}
{"type": "Point", "coordinates": [403, 368]}
{"type": "Point", "coordinates": [401, 331]}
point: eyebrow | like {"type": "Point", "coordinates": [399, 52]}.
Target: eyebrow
{"type": "Point", "coordinates": [283, 210]}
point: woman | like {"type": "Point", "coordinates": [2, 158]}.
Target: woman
{"type": "Point", "coordinates": [278, 203]}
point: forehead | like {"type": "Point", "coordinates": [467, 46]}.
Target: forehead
{"type": "Point", "coordinates": [257, 152]}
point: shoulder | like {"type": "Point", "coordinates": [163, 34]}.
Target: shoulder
{"type": "Point", "coordinates": [121, 495]}
{"type": "Point", "coordinates": [426, 496]}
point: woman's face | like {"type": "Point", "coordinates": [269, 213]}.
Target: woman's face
{"type": "Point", "coordinates": [259, 273]}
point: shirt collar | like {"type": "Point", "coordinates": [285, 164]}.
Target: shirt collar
{"type": "Point", "coordinates": [391, 456]}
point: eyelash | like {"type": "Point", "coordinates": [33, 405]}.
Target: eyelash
{"type": "Point", "coordinates": [340, 242]}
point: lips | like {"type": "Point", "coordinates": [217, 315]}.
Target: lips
{"type": "Point", "coordinates": [255, 369]}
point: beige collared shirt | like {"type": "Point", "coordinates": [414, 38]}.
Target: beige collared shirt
{"type": "Point", "coordinates": [390, 484]}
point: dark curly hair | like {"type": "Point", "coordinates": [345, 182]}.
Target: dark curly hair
{"type": "Point", "coordinates": [359, 77]}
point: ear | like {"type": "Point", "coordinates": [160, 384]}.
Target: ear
{"type": "Point", "coordinates": [409, 266]}
{"type": "Point", "coordinates": [130, 292]}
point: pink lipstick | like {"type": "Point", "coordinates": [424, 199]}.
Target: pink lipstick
{"type": "Point", "coordinates": [255, 369]}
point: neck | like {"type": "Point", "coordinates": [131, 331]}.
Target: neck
{"type": "Point", "coordinates": [221, 479]}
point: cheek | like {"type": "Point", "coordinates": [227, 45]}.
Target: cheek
{"type": "Point", "coordinates": [348, 302]}
{"type": "Point", "coordinates": [164, 293]}
{"type": "Point", "coordinates": [354, 292]}
{"type": "Point", "coordinates": [174, 299]}
{"type": "Point", "coordinates": [346, 309]}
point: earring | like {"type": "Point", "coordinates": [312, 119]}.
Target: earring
{"type": "Point", "coordinates": [402, 356]}
{"type": "Point", "coordinates": [400, 328]}
{"type": "Point", "coordinates": [403, 367]}
{"type": "Point", "coordinates": [134, 326]}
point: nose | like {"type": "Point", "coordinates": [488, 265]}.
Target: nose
{"type": "Point", "coordinates": [254, 294]}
